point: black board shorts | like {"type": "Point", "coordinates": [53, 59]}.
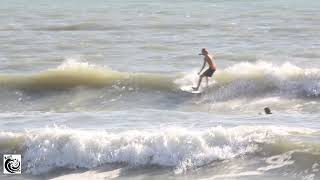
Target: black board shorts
{"type": "Point", "coordinates": [209, 72]}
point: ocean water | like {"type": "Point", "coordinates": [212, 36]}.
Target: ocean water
{"type": "Point", "coordinates": [91, 89]}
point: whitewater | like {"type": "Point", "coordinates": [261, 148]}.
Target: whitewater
{"type": "Point", "coordinates": [92, 89]}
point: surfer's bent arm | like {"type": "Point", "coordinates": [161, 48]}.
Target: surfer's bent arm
{"type": "Point", "coordinates": [204, 64]}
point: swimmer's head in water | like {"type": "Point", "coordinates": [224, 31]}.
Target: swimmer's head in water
{"type": "Point", "coordinates": [267, 110]}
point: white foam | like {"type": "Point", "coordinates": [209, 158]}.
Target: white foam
{"type": "Point", "coordinates": [278, 161]}
{"type": "Point", "coordinates": [50, 148]}
{"type": "Point", "coordinates": [78, 63]}
{"type": "Point", "coordinates": [255, 79]}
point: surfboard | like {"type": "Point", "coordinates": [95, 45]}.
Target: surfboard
{"type": "Point", "coordinates": [190, 90]}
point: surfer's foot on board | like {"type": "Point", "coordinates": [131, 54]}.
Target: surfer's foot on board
{"type": "Point", "coordinates": [195, 89]}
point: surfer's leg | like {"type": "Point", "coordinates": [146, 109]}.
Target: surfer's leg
{"type": "Point", "coordinates": [207, 81]}
{"type": "Point", "coordinates": [199, 82]}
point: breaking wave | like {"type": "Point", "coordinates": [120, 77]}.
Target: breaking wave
{"type": "Point", "coordinates": [44, 150]}
{"type": "Point", "coordinates": [72, 74]}
{"type": "Point", "coordinates": [240, 80]}
{"type": "Point", "coordinates": [260, 79]}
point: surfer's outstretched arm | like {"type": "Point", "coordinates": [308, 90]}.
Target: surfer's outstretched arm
{"type": "Point", "coordinates": [204, 64]}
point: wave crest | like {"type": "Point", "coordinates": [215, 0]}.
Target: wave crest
{"type": "Point", "coordinates": [72, 74]}
{"type": "Point", "coordinates": [46, 149]}
{"type": "Point", "coordinates": [244, 79]}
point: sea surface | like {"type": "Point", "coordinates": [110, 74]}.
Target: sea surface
{"type": "Point", "coordinates": [92, 89]}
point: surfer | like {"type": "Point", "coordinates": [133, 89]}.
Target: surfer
{"type": "Point", "coordinates": [208, 58]}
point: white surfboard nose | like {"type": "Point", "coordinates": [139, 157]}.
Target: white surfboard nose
{"type": "Point", "coordinates": [190, 90]}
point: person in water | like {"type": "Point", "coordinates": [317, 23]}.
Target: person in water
{"type": "Point", "coordinates": [267, 110]}
{"type": "Point", "coordinates": [208, 58]}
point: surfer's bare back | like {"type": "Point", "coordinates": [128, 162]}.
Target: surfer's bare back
{"type": "Point", "coordinates": [208, 58]}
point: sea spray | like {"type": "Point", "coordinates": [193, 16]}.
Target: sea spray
{"type": "Point", "coordinates": [50, 148]}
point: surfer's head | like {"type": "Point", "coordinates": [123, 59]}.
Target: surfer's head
{"type": "Point", "coordinates": [204, 51]}
{"type": "Point", "coordinates": [267, 110]}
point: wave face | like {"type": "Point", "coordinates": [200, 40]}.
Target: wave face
{"type": "Point", "coordinates": [47, 149]}
{"type": "Point", "coordinates": [242, 79]}
{"type": "Point", "coordinates": [72, 74]}
{"type": "Point", "coordinates": [246, 87]}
